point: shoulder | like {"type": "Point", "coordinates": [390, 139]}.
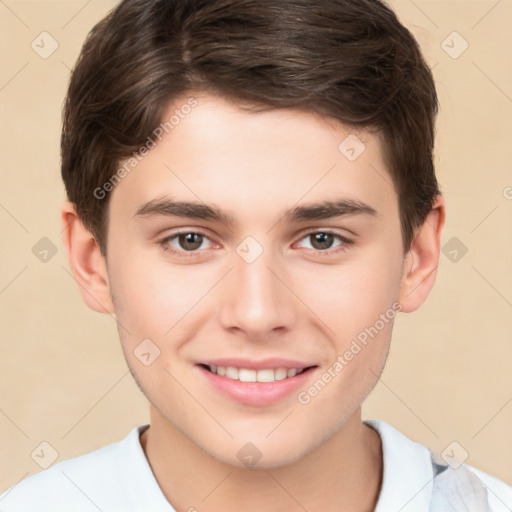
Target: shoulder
{"type": "Point", "coordinates": [499, 493]}
{"type": "Point", "coordinates": [411, 467]}
{"type": "Point", "coordinates": [77, 484]}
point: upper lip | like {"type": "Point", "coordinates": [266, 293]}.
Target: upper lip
{"type": "Point", "coordinates": [262, 364]}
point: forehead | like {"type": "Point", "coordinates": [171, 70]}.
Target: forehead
{"type": "Point", "coordinates": [255, 162]}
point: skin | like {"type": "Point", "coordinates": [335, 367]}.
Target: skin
{"type": "Point", "coordinates": [293, 301]}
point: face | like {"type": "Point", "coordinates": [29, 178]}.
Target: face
{"type": "Point", "coordinates": [288, 257]}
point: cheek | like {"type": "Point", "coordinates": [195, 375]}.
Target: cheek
{"type": "Point", "coordinates": [351, 297]}
{"type": "Point", "coordinates": [153, 299]}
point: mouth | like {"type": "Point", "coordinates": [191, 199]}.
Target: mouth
{"type": "Point", "coordinates": [254, 375]}
{"type": "Point", "coordinates": [256, 384]}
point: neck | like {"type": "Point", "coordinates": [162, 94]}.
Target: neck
{"type": "Point", "coordinates": [342, 474]}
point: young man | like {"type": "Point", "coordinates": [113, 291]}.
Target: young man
{"type": "Point", "coordinates": [252, 194]}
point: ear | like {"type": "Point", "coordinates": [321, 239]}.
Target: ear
{"type": "Point", "coordinates": [420, 264]}
{"type": "Point", "coordinates": [87, 263]}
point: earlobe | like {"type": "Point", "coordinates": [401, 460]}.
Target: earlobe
{"type": "Point", "coordinates": [86, 261]}
{"type": "Point", "coordinates": [420, 265]}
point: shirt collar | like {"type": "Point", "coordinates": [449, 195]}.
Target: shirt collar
{"type": "Point", "coordinates": [407, 478]}
{"type": "Point", "coordinates": [406, 481]}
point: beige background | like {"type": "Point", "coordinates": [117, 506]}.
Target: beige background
{"type": "Point", "coordinates": [63, 379]}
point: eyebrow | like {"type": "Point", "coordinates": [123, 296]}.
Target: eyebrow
{"type": "Point", "coordinates": [195, 210]}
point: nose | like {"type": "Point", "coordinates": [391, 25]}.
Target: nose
{"type": "Point", "coordinates": [257, 298]}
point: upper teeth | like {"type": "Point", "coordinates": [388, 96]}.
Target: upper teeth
{"type": "Point", "coordinates": [248, 375]}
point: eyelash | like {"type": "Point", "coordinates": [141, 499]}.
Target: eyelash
{"type": "Point", "coordinates": [346, 242]}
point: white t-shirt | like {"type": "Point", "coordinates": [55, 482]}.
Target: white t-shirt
{"type": "Point", "coordinates": [118, 478]}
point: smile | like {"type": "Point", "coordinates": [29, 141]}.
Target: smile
{"type": "Point", "coordinates": [263, 385]}
{"type": "Point", "coordinates": [251, 375]}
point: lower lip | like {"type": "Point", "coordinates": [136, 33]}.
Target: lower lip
{"type": "Point", "coordinates": [257, 393]}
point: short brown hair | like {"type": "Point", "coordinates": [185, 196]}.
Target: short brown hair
{"type": "Point", "coordinates": [351, 60]}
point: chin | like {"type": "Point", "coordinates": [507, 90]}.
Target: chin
{"type": "Point", "coordinates": [258, 455]}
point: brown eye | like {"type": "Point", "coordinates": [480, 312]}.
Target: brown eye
{"type": "Point", "coordinates": [321, 240]}
{"type": "Point", "coordinates": [324, 242]}
{"type": "Point", "coordinates": [190, 241]}
{"type": "Point", "coordinates": [186, 243]}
